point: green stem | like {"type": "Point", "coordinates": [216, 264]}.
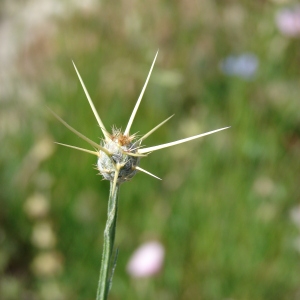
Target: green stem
{"type": "Point", "coordinates": [108, 245]}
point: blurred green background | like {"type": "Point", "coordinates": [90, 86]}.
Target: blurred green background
{"type": "Point", "coordinates": [227, 210]}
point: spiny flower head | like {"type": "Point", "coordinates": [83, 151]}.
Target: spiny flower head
{"type": "Point", "coordinates": [121, 148]}
{"type": "Point", "coordinates": [119, 153]}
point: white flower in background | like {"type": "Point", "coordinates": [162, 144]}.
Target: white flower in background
{"type": "Point", "coordinates": [244, 65]}
{"type": "Point", "coordinates": [288, 21]}
{"type": "Point", "coordinates": [119, 153]}
{"type": "Point", "coordinates": [147, 260]}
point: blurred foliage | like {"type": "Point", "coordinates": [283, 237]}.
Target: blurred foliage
{"type": "Point", "coordinates": [223, 210]}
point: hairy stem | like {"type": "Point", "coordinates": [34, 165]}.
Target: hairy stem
{"type": "Point", "coordinates": [108, 246]}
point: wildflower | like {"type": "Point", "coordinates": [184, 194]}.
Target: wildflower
{"type": "Point", "coordinates": [147, 260]}
{"type": "Point", "coordinates": [244, 65]}
{"type": "Point", "coordinates": [119, 153]}
{"type": "Point", "coordinates": [288, 21]}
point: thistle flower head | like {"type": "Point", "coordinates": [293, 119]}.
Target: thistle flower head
{"type": "Point", "coordinates": [119, 153]}
{"type": "Point", "coordinates": [120, 146]}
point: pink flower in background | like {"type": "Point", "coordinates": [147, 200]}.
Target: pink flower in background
{"type": "Point", "coordinates": [147, 260]}
{"type": "Point", "coordinates": [288, 21]}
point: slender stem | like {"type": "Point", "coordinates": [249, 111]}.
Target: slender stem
{"type": "Point", "coordinates": [109, 239]}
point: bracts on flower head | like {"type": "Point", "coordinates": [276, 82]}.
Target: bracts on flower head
{"type": "Point", "coordinates": [119, 153]}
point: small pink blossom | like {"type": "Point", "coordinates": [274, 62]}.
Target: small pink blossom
{"type": "Point", "coordinates": [147, 260]}
{"type": "Point", "coordinates": [288, 21]}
